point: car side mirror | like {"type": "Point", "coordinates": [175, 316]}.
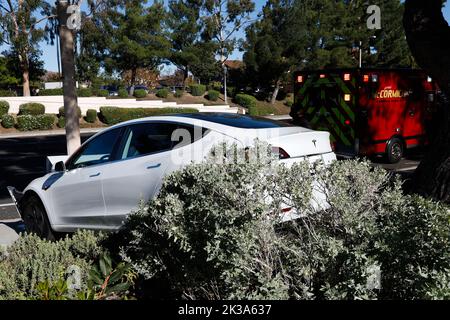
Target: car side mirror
{"type": "Point", "coordinates": [60, 166]}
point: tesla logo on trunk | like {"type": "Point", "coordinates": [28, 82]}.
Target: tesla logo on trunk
{"type": "Point", "coordinates": [314, 141]}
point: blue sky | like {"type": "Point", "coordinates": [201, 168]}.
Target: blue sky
{"type": "Point", "coordinates": [50, 58]}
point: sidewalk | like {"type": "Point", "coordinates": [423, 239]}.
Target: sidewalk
{"type": "Point", "coordinates": [7, 235]}
{"type": "Point", "coordinates": [59, 132]}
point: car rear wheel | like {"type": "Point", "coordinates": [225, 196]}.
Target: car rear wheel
{"type": "Point", "coordinates": [35, 218]}
{"type": "Point", "coordinates": [395, 150]}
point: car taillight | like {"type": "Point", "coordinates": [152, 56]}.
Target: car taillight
{"type": "Point", "coordinates": [280, 152]}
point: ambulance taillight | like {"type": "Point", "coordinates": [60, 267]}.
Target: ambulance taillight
{"type": "Point", "coordinates": [347, 77]}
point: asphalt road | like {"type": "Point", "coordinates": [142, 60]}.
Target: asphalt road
{"type": "Point", "coordinates": [24, 159]}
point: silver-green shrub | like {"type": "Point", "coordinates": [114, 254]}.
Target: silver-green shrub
{"type": "Point", "coordinates": [214, 232]}
{"type": "Point", "coordinates": [31, 261]}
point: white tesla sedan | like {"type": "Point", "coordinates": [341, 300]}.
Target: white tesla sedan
{"type": "Point", "coordinates": [100, 184]}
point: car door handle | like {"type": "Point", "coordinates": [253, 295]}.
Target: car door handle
{"type": "Point", "coordinates": [94, 175]}
{"type": "Point", "coordinates": [154, 166]}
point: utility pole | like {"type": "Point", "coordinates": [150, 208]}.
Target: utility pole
{"type": "Point", "coordinates": [360, 54]}
{"type": "Point", "coordinates": [67, 24]}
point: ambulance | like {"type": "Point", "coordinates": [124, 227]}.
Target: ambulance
{"type": "Point", "coordinates": [368, 112]}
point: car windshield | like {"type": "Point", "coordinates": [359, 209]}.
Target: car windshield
{"type": "Point", "coordinates": [237, 120]}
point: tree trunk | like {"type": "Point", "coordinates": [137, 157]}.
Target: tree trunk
{"type": "Point", "coordinates": [428, 36]}
{"type": "Point", "coordinates": [26, 80]}
{"type": "Point", "coordinates": [185, 76]}
{"type": "Point", "coordinates": [275, 92]}
{"type": "Point", "coordinates": [133, 80]}
{"type": "Point", "coordinates": [69, 84]}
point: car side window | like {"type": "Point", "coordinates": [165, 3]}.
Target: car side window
{"type": "Point", "coordinates": [149, 138]}
{"type": "Point", "coordinates": [97, 151]}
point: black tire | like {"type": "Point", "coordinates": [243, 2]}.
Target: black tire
{"type": "Point", "coordinates": [35, 218]}
{"type": "Point", "coordinates": [395, 150]}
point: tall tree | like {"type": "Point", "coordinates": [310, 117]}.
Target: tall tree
{"type": "Point", "coordinates": [137, 37]}
{"type": "Point", "coordinates": [428, 36]}
{"type": "Point", "coordinates": [20, 21]}
{"type": "Point", "coordinates": [275, 44]}
{"type": "Point", "coordinates": [185, 27]}
{"type": "Point", "coordinates": [222, 19]}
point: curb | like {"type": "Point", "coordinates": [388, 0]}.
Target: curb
{"type": "Point", "coordinates": [45, 133]}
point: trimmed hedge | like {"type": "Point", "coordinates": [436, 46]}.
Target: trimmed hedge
{"type": "Point", "coordinates": [91, 116]}
{"type": "Point", "coordinates": [63, 114]}
{"type": "Point", "coordinates": [231, 92]}
{"type": "Point", "coordinates": [213, 95]}
{"type": "Point", "coordinates": [61, 122]}
{"type": "Point", "coordinates": [197, 90]}
{"type": "Point", "coordinates": [140, 93]}
{"type": "Point", "coordinates": [8, 93]}
{"type": "Point", "coordinates": [123, 93]}
{"type": "Point", "coordinates": [114, 115]}
{"type": "Point", "coordinates": [84, 92]}
{"type": "Point", "coordinates": [39, 122]}
{"type": "Point", "coordinates": [246, 101]}
{"type": "Point", "coordinates": [51, 92]}
{"type": "Point", "coordinates": [102, 93]}
{"type": "Point", "coordinates": [31, 109]}
{"type": "Point", "coordinates": [4, 107]}
{"type": "Point", "coordinates": [178, 93]}
{"type": "Point", "coordinates": [162, 93]}
{"type": "Point", "coordinates": [8, 121]}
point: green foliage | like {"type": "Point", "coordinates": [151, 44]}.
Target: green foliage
{"type": "Point", "coordinates": [289, 103]}
{"type": "Point", "coordinates": [262, 109]}
{"type": "Point", "coordinates": [4, 107]}
{"type": "Point", "coordinates": [198, 90]}
{"type": "Point", "coordinates": [178, 93]}
{"type": "Point", "coordinates": [102, 93]}
{"type": "Point", "coordinates": [211, 233]}
{"type": "Point", "coordinates": [51, 92]}
{"type": "Point", "coordinates": [85, 92]}
{"type": "Point", "coordinates": [31, 264]}
{"type": "Point", "coordinates": [140, 93]}
{"type": "Point", "coordinates": [213, 95]}
{"type": "Point", "coordinates": [123, 93]}
{"type": "Point", "coordinates": [39, 122]}
{"type": "Point", "coordinates": [114, 115]}
{"type": "Point", "coordinates": [8, 121]}
{"type": "Point", "coordinates": [7, 76]}
{"type": "Point", "coordinates": [162, 93]}
{"type": "Point", "coordinates": [7, 93]}
{"type": "Point", "coordinates": [61, 122]}
{"type": "Point", "coordinates": [63, 114]}
{"type": "Point", "coordinates": [32, 109]}
{"type": "Point", "coordinates": [231, 92]}
{"type": "Point", "coordinates": [246, 101]}
{"type": "Point", "coordinates": [91, 116]}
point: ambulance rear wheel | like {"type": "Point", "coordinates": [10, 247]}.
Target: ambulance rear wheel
{"type": "Point", "coordinates": [395, 150]}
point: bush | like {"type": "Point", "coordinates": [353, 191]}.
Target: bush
{"type": "Point", "coordinates": [114, 115]}
{"type": "Point", "coordinates": [231, 92]}
{"type": "Point", "coordinates": [31, 261]}
{"type": "Point", "coordinates": [102, 93]}
{"type": "Point", "coordinates": [212, 234]}
{"type": "Point", "coordinates": [91, 116]}
{"type": "Point", "coordinates": [213, 95]}
{"type": "Point", "coordinates": [140, 93]}
{"type": "Point", "coordinates": [85, 92]}
{"type": "Point", "coordinates": [8, 93]}
{"type": "Point", "coordinates": [123, 93]}
{"type": "Point", "coordinates": [262, 109]}
{"type": "Point", "coordinates": [32, 109]}
{"type": "Point", "coordinates": [216, 85]}
{"type": "Point", "coordinates": [63, 114]}
{"type": "Point", "coordinates": [246, 101]}
{"type": "Point", "coordinates": [8, 121]}
{"type": "Point", "coordinates": [40, 122]}
{"type": "Point", "coordinates": [51, 92]}
{"type": "Point", "coordinates": [178, 93]}
{"type": "Point", "coordinates": [162, 93]}
{"type": "Point", "coordinates": [289, 103]}
{"type": "Point", "coordinates": [4, 107]}
{"type": "Point", "coordinates": [198, 90]}
{"type": "Point", "coordinates": [61, 122]}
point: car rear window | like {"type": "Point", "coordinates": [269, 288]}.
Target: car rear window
{"type": "Point", "coordinates": [237, 120]}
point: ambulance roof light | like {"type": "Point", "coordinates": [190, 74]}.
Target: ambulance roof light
{"type": "Point", "coordinates": [347, 97]}
{"type": "Point", "coordinates": [366, 78]}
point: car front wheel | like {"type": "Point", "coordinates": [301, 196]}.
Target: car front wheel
{"type": "Point", "coordinates": [35, 218]}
